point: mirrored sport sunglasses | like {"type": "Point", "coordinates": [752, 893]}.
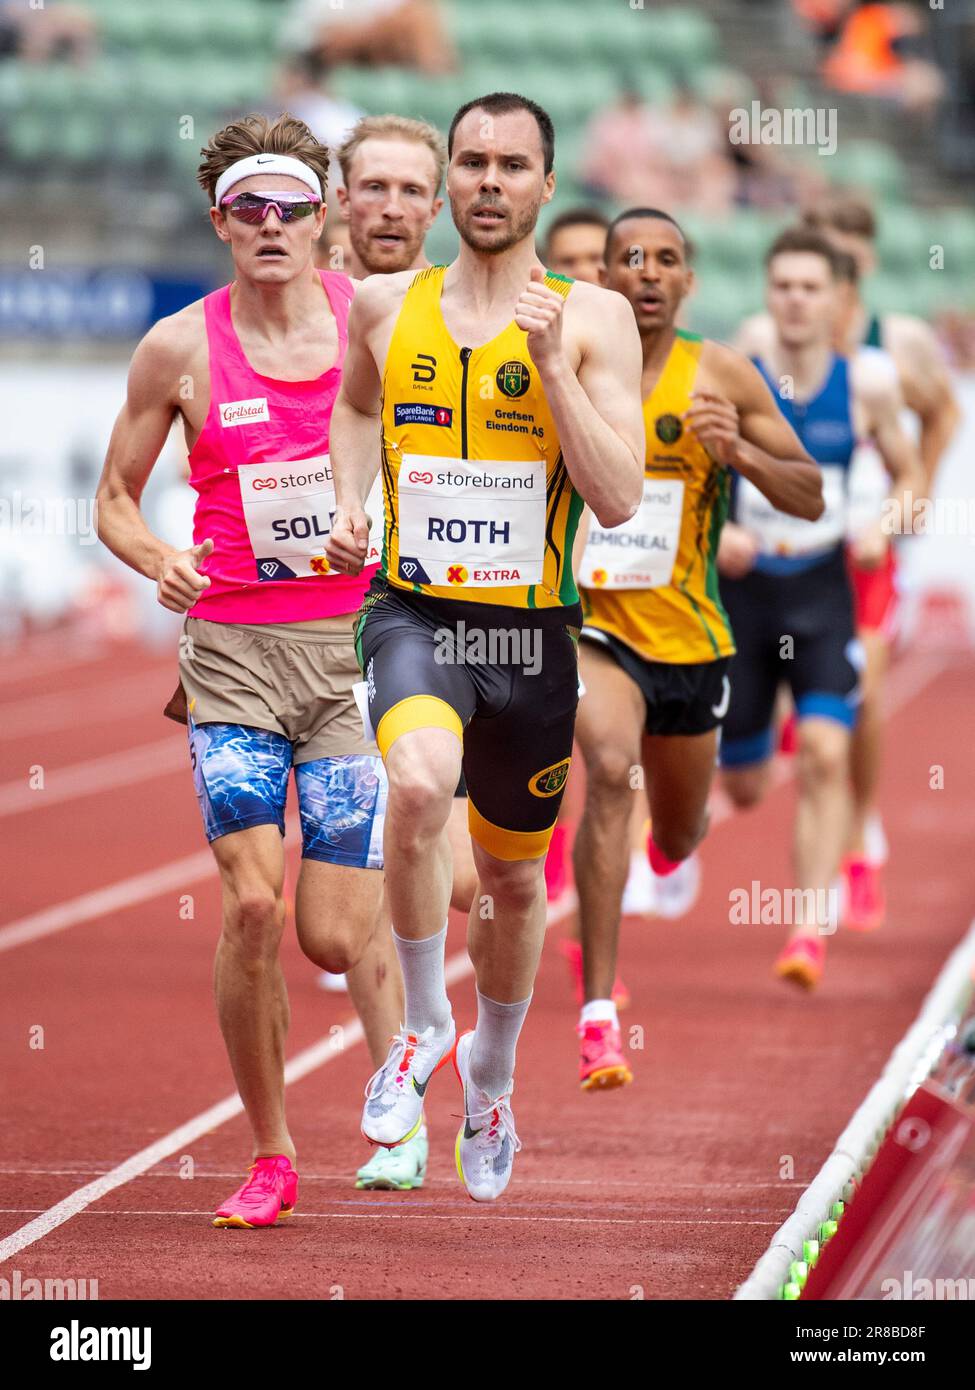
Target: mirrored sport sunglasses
{"type": "Point", "coordinates": [254, 207]}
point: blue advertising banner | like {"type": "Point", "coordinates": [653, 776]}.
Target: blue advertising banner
{"type": "Point", "coordinates": [121, 302]}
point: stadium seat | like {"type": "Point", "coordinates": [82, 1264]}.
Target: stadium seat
{"type": "Point", "coordinates": [869, 165]}
{"type": "Point", "coordinates": [27, 136]}
{"type": "Point", "coordinates": [954, 229]}
{"type": "Point", "coordinates": [902, 240]}
{"type": "Point", "coordinates": [683, 39]}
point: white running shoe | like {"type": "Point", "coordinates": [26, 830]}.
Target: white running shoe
{"type": "Point", "coordinates": [677, 892]}
{"type": "Point", "coordinates": [875, 844]}
{"type": "Point", "coordinates": [393, 1111]}
{"type": "Point", "coordinates": [332, 984]}
{"type": "Point", "coordinates": [397, 1170]}
{"type": "Point", "coordinates": [639, 895]}
{"type": "Point", "coordinates": [486, 1141]}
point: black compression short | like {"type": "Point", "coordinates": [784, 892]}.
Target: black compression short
{"type": "Point", "coordinates": [505, 680]}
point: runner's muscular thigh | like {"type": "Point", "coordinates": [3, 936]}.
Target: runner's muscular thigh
{"type": "Point", "coordinates": [612, 710]}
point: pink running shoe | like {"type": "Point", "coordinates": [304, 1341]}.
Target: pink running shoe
{"type": "Point", "coordinates": [789, 735]}
{"type": "Point", "coordinates": [801, 961]}
{"type": "Point", "coordinates": [602, 1066]}
{"type": "Point", "coordinates": [556, 874]}
{"type": "Point", "coordinates": [572, 951]}
{"type": "Point", "coordinates": [268, 1195]}
{"type": "Point", "coordinates": [865, 905]}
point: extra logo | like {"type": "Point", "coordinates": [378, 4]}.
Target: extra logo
{"type": "Point", "coordinates": [456, 574]}
{"type": "Point", "coordinates": [599, 578]}
{"type": "Point", "coordinates": [243, 412]}
{"type": "Point", "coordinates": [441, 415]}
{"type": "Point", "coordinates": [320, 565]}
{"type": "Point", "coordinates": [513, 379]}
{"type": "Point", "coordinates": [551, 780]}
{"type": "Point", "coordinates": [424, 368]}
{"type": "Point", "coordinates": [668, 428]}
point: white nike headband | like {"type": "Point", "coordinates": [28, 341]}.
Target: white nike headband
{"type": "Point", "coordinates": [267, 164]}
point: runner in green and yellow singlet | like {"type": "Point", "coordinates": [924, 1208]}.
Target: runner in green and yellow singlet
{"type": "Point", "coordinates": [497, 400]}
{"type": "Point", "coordinates": [656, 640]}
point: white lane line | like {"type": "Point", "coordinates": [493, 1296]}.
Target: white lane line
{"type": "Point", "coordinates": [313, 1057]}
{"type": "Point", "coordinates": [604, 1184]}
{"type": "Point", "coordinates": [907, 1066]}
{"type": "Point", "coordinates": [141, 764]}
{"type": "Point", "coordinates": [93, 704]}
{"type": "Point", "coordinates": [21, 665]}
{"type": "Point", "coordinates": [464, 1212]}
{"type": "Point", "coordinates": [317, 1055]}
{"type": "Point", "coordinates": [103, 901]}
{"type": "Point", "coordinates": [62, 915]}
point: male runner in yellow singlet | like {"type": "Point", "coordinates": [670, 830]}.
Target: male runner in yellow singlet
{"type": "Point", "coordinates": [392, 169]}
{"type": "Point", "coordinates": [656, 640]}
{"type": "Point", "coordinates": [503, 399]}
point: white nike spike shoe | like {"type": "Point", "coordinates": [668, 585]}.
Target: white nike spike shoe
{"type": "Point", "coordinates": [677, 892]}
{"type": "Point", "coordinates": [486, 1141]}
{"type": "Point", "coordinates": [396, 1170]}
{"type": "Point", "coordinates": [393, 1111]}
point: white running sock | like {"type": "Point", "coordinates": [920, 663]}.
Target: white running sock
{"type": "Point", "coordinates": [492, 1061]}
{"type": "Point", "coordinates": [600, 1011]}
{"type": "Point", "coordinates": [427, 1005]}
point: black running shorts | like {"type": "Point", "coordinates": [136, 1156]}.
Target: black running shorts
{"type": "Point", "coordinates": [680, 697]}
{"type": "Point", "coordinates": [797, 630]}
{"type": "Point", "coordinates": [505, 680]}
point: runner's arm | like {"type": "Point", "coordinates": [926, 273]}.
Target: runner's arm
{"type": "Point", "coordinates": [752, 338]}
{"type": "Point", "coordinates": [765, 448]}
{"type": "Point", "coordinates": [140, 432]}
{"type": "Point", "coordinates": [927, 391]}
{"type": "Point", "coordinates": [579, 544]}
{"type": "Point", "coordinates": [882, 401]}
{"type": "Point", "coordinates": [598, 413]}
{"type": "Point", "coordinates": [355, 430]}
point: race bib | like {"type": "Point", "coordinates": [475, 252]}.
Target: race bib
{"type": "Point", "coordinates": [288, 510]}
{"type": "Point", "coordinates": [868, 488]}
{"type": "Point", "coordinates": [780, 534]}
{"type": "Point", "coordinates": [640, 553]}
{"type": "Point", "coordinates": [471, 524]}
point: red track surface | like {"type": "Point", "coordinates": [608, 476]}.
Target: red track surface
{"type": "Point", "coordinates": [672, 1186]}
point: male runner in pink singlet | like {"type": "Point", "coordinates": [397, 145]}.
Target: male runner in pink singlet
{"type": "Point", "coordinates": [267, 659]}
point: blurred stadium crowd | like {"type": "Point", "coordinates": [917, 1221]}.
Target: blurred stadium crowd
{"type": "Point", "coordinates": [104, 105]}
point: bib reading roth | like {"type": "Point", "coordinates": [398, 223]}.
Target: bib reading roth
{"type": "Point", "coordinates": [640, 553]}
{"type": "Point", "coordinates": [288, 510]}
{"type": "Point", "coordinates": [472, 523]}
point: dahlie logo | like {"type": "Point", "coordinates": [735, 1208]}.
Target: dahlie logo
{"type": "Point", "coordinates": [421, 477]}
{"type": "Point", "coordinates": [243, 412]}
{"type": "Point", "coordinates": [264, 482]}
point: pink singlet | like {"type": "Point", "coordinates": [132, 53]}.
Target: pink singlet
{"type": "Point", "coordinates": [268, 517]}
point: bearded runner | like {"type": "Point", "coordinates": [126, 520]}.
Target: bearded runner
{"type": "Point", "coordinates": [496, 399]}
